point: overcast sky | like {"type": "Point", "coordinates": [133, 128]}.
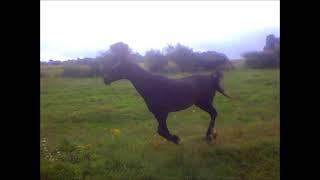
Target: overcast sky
{"type": "Point", "coordinates": [71, 29]}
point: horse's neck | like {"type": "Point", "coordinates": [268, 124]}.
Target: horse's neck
{"type": "Point", "coordinates": [140, 78]}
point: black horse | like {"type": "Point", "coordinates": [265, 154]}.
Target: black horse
{"type": "Point", "coordinates": [163, 95]}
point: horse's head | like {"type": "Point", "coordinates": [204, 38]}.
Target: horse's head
{"type": "Point", "coordinates": [117, 71]}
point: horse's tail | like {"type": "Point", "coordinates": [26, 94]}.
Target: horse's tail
{"type": "Point", "coordinates": [217, 77]}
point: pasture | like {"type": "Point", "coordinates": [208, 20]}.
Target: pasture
{"type": "Point", "coordinates": [93, 131]}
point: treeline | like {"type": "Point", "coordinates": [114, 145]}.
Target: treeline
{"type": "Point", "coordinates": [184, 59]}
{"type": "Point", "coordinates": [178, 58]}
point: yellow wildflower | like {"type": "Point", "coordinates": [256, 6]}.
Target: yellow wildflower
{"type": "Point", "coordinates": [115, 132]}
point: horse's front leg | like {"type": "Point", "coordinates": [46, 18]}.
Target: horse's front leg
{"type": "Point", "coordinates": [163, 129]}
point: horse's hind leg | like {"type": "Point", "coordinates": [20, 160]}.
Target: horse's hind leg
{"type": "Point", "coordinates": [163, 129]}
{"type": "Point", "coordinates": [211, 132]}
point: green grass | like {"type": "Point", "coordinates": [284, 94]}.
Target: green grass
{"type": "Point", "coordinates": [78, 115]}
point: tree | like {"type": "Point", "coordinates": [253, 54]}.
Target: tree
{"type": "Point", "coordinates": [116, 52]}
{"type": "Point", "coordinates": [258, 59]}
{"type": "Point", "coordinates": [155, 61]}
{"type": "Point", "coordinates": [212, 60]}
{"type": "Point", "coordinates": [120, 50]}
{"type": "Point", "coordinates": [136, 57]}
{"type": "Point", "coordinates": [272, 43]}
{"type": "Point", "coordinates": [268, 58]}
{"type": "Point", "coordinates": [181, 55]}
{"type": "Point", "coordinates": [54, 62]}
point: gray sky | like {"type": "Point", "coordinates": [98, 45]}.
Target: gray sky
{"type": "Point", "coordinates": [71, 29]}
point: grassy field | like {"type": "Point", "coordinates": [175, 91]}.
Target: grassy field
{"type": "Point", "coordinates": [93, 131]}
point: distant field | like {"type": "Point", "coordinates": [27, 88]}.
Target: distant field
{"type": "Point", "coordinates": [93, 131]}
{"type": "Point", "coordinates": [51, 71]}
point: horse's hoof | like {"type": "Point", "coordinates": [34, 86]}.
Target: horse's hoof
{"type": "Point", "coordinates": [209, 138]}
{"type": "Point", "coordinates": [215, 135]}
{"type": "Point", "coordinates": [175, 139]}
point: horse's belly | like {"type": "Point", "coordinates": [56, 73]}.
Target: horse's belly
{"type": "Point", "coordinates": [171, 104]}
{"type": "Point", "coordinates": [179, 108]}
{"type": "Point", "coordinates": [171, 100]}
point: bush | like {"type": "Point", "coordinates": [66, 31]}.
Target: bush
{"type": "Point", "coordinates": [155, 61]}
{"type": "Point", "coordinates": [50, 71]}
{"type": "Point", "coordinates": [79, 71]}
{"type": "Point", "coordinates": [182, 56]}
{"type": "Point", "coordinates": [268, 58]}
{"type": "Point", "coordinates": [261, 60]}
{"type": "Point", "coordinates": [171, 67]}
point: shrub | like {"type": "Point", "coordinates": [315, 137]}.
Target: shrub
{"type": "Point", "coordinates": [155, 61]}
{"type": "Point", "coordinates": [261, 60]}
{"type": "Point", "coordinates": [79, 71]}
{"type": "Point", "coordinates": [50, 70]}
